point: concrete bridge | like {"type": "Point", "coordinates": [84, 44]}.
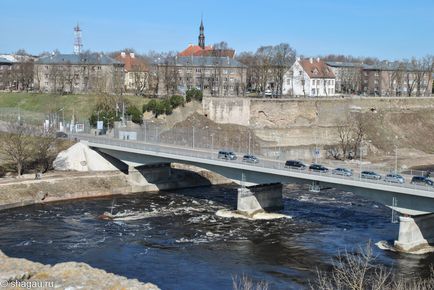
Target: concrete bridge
{"type": "Point", "coordinates": [416, 203]}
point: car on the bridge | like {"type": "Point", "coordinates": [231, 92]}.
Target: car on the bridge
{"type": "Point", "coordinates": [342, 171]}
{"type": "Point", "coordinates": [227, 155]}
{"type": "Point", "coordinates": [318, 168]}
{"type": "Point", "coordinates": [295, 164]}
{"type": "Point", "coordinates": [370, 175]}
{"type": "Point", "coordinates": [250, 158]}
{"type": "Point", "coordinates": [422, 180]}
{"type": "Point", "coordinates": [394, 178]}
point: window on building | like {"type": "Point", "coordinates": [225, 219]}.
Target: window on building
{"type": "Point", "coordinates": [300, 72]}
{"type": "Point", "coordinates": [313, 92]}
{"type": "Point", "coordinates": [288, 81]}
{"type": "Point", "coordinates": [313, 82]}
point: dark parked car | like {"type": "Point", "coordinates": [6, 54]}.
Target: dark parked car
{"type": "Point", "coordinates": [318, 168]}
{"type": "Point", "coordinates": [295, 164]}
{"type": "Point", "coordinates": [370, 175]}
{"type": "Point", "coordinates": [342, 171]}
{"type": "Point", "coordinates": [394, 178]}
{"type": "Point", "coordinates": [422, 180]}
{"type": "Point", "coordinates": [61, 135]}
{"type": "Point", "coordinates": [227, 155]}
{"type": "Point", "coordinates": [250, 158]}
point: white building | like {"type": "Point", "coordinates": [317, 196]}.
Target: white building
{"type": "Point", "coordinates": [309, 77]}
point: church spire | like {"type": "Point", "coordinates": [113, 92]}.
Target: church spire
{"type": "Point", "coordinates": [201, 34]}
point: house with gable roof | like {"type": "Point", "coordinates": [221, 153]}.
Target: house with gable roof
{"type": "Point", "coordinates": [309, 77]}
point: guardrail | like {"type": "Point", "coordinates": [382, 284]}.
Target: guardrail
{"type": "Point", "coordinates": [213, 155]}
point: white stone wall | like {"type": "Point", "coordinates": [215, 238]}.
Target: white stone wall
{"type": "Point", "coordinates": [227, 110]}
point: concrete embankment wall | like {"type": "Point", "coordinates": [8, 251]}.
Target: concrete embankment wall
{"type": "Point", "coordinates": [25, 192]}
{"type": "Point", "coordinates": [60, 186]}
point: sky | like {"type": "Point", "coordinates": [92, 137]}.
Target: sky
{"type": "Point", "coordinates": [387, 29]}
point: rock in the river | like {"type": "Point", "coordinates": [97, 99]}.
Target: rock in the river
{"type": "Point", "coordinates": [69, 275]}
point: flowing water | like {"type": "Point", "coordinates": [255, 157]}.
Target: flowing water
{"type": "Point", "coordinates": [175, 239]}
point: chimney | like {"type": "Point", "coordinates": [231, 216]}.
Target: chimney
{"type": "Point", "coordinates": [311, 60]}
{"type": "Point", "coordinates": [123, 54]}
{"type": "Point", "coordinates": [317, 59]}
{"type": "Point", "coordinates": [132, 55]}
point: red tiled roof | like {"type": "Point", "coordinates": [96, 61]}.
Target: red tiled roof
{"type": "Point", "coordinates": [196, 50]}
{"type": "Point", "coordinates": [316, 68]}
{"type": "Point", "coordinates": [132, 63]}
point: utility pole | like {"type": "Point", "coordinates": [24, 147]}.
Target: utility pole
{"type": "Point", "coordinates": [193, 137]}
{"type": "Point", "coordinates": [361, 142]}
{"type": "Point", "coordinates": [396, 158]}
{"type": "Point", "coordinates": [316, 148]}
{"type": "Point", "coordinates": [249, 142]}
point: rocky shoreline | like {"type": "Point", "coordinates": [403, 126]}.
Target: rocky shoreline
{"type": "Point", "coordinates": [23, 274]}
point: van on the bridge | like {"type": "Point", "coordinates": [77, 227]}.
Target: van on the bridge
{"type": "Point", "coordinates": [227, 155]}
{"type": "Point", "coordinates": [295, 164]}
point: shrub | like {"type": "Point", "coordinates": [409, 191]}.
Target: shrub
{"type": "Point", "coordinates": [193, 94]}
{"type": "Point", "coordinates": [158, 107]}
{"type": "Point", "coordinates": [176, 101]}
{"type": "Point", "coordinates": [108, 117]}
{"type": "Point", "coordinates": [150, 106]}
{"type": "Point", "coordinates": [136, 115]}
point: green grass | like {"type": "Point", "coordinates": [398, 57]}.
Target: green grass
{"type": "Point", "coordinates": [81, 105]}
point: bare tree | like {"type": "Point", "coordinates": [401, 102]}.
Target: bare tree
{"type": "Point", "coordinates": [358, 271]}
{"type": "Point", "coordinates": [283, 56]}
{"type": "Point", "coordinates": [16, 145]}
{"type": "Point", "coordinates": [264, 61]}
{"type": "Point", "coordinates": [170, 73]}
{"type": "Point", "coordinates": [44, 148]}
{"type": "Point", "coordinates": [244, 282]}
{"type": "Point", "coordinates": [248, 59]}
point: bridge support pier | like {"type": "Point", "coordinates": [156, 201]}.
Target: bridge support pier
{"type": "Point", "coordinates": [258, 198]}
{"type": "Point", "coordinates": [415, 233]}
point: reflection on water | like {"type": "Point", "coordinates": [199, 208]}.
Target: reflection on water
{"type": "Point", "coordinates": [180, 243]}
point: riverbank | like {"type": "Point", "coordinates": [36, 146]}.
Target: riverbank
{"type": "Point", "coordinates": [24, 274]}
{"type": "Point", "coordinates": [68, 185]}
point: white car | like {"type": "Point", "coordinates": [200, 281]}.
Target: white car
{"type": "Point", "coordinates": [268, 93]}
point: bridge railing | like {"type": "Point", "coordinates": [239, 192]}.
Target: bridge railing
{"type": "Point", "coordinates": [208, 154]}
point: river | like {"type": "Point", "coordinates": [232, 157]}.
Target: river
{"type": "Point", "coordinates": [180, 243]}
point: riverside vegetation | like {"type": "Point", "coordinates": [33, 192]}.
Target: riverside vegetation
{"type": "Point", "coordinates": [25, 148]}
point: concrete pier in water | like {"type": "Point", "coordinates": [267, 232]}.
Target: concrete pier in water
{"type": "Point", "coordinates": [254, 199]}
{"type": "Point", "coordinates": [415, 233]}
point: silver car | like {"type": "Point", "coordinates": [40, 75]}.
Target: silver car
{"type": "Point", "coordinates": [342, 171]}
{"type": "Point", "coordinates": [394, 178]}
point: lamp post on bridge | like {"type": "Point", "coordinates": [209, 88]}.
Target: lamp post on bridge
{"type": "Point", "coordinates": [193, 137]}
{"type": "Point", "coordinates": [249, 142]}
{"type": "Point", "coordinates": [396, 158]}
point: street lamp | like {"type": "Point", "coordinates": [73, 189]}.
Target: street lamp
{"type": "Point", "coordinates": [361, 153]}
{"type": "Point", "coordinates": [396, 158]}
{"type": "Point", "coordinates": [249, 142]}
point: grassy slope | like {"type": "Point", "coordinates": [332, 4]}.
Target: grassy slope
{"type": "Point", "coordinates": [82, 105]}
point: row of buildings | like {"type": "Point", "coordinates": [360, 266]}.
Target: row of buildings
{"type": "Point", "coordinates": [214, 70]}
